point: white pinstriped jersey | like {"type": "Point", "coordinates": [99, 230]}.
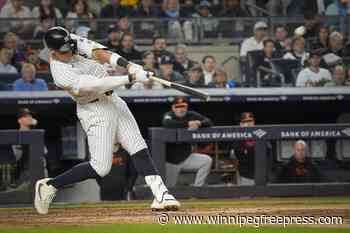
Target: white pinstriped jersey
{"type": "Point", "coordinates": [66, 75]}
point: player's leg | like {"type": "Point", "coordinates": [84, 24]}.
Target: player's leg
{"type": "Point", "coordinates": [201, 163]}
{"type": "Point", "coordinates": [129, 136]}
{"type": "Point", "coordinates": [100, 140]}
{"type": "Point", "coordinates": [172, 173]}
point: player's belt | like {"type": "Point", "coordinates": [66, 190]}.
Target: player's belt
{"type": "Point", "coordinates": [108, 93]}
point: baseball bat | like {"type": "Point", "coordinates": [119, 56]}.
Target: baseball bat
{"type": "Point", "coordinates": [185, 89]}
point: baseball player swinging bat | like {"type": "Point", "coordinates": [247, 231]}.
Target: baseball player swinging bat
{"type": "Point", "coordinates": [76, 66]}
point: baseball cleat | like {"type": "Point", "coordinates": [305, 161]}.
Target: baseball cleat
{"type": "Point", "coordinates": [44, 194]}
{"type": "Point", "coordinates": [168, 203]}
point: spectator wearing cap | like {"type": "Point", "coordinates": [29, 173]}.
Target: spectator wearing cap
{"type": "Point", "coordinates": [5, 59]}
{"type": "Point", "coordinates": [338, 77]}
{"type": "Point", "coordinates": [232, 8]}
{"type": "Point", "coordinates": [112, 38]}
{"type": "Point", "coordinates": [166, 68]}
{"type": "Point", "coordinates": [114, 10]}
{"type": "Point", "coordinates": [126, 48]}
{"type": "Point", "coordinates": [146, 9]}
{"type": "Point", "coordinates": [195, 77]}
{"type": "Point", "coordinates": [209, 66]}
{"type": "Point", "coordinates": [300, 168]}
{"type": "Point", "coordinates": [208, 23]}
{"type": "Point", "coordinates": [298, 51]}
{"type": "Point", "coordinates": [182, 62]}
{"type": "Point", "coordinates": [322, 39]}
{"type": "Point", "coordinates": [179, 157]}
{"type": "Point", "coordinates": [220, 79]}
{"type": "Point", "coordinates": [313, 75]}
{"type": "Point", "coordinates": [16, 9]}
{"type": "Point", "coordinates": [255, 42]}
{"type": "Point", "coordinates": [159, 49]}
{"type": "Point", "coordinates": [28, 82]}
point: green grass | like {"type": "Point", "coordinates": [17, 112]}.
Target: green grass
{"type": "Point", "coordinates": [153, 228]}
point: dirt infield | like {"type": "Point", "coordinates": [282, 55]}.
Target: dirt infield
{"type": "Point", "coordinates": [139, 213]}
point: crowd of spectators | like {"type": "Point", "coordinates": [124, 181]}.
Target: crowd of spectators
{"type": "Point", "coordinates": [119, 31]}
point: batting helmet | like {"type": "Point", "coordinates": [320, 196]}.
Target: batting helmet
{"type": "Point", "coordinates": [58, 38]}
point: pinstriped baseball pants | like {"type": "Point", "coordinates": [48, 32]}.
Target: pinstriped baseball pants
{"type": "Point", "coordinates": [105, 122]}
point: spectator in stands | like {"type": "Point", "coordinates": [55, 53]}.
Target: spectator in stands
{"type": "Point", "coordinates": [179, 157]}
{"type": "Point", "coordinates": [232, 8]}
{"type": "Point", "coordinates": [282, 43]}
{"type": "Point", "coordinates": [46, 23]}
{"type": "Point", "coordinates": [16, 9]}
{"type": "Point", "coordinates": [5, 59]}
{"type": "Point", "coordinates": [78, 15]}
{"type": "Point", "coordinates": [167, 72]}
{"type": "Point", "coordinates": [28, 82]}
{"type": "Point", "coordinates": [127, 48]}
{"type": "Point", "coordinates": [113, 38]}
{"type": "Point", "coordinates": [171, 12]}
{"type": "Point", "coordinates": [123, 24]}
{"type": "Point", "coordinates": [322, 39]}
{"type": "Point", "coordinates": [47, 9]}
{"type": "Point", "coordinates": [338, 77]}
{"type": "Point", "coordinates": [298, 51]}
{"type": "Point", "coordinates": [114, 10]}
{"type": "Point", "coordinates": [159, 45]}
{"type": "Point", "coordinates": [33, 58]}
{"type": "Point", "coordinates": [12, 42]}
{"type": "Point", "coordinates": [313, 75]}
{"type": "Point", "coordinates": [195, 77]}
{"type": "Point", "coordinates": [337, 45]}
{"type": "Point", "coordinates": [209, 66]}
{"type": "Point", "coordinates": [182, 62]}
{"type": "Point", "coordinates": [146, 9]}
{"type": "Point", "coordinates": [149, 62]}
{"type": "Point", "coordinates": [205, 20]}
{"type": "Point", "coordinates": [220, 79]}
{"type": "Point", "coordinates": [3, 3]}
{"type": "Point", "coordinates": [338, 7]}
{"type": "Point", "coordinates": [255, 42]}
{"type": "Point", "coordinates": [263, 64]}
{"type": "Point", "coordinates": [300, 168]}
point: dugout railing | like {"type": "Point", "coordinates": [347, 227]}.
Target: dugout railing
{"type": "Point", "coordinates": [33, 140]}
{"type": "Point", "coordinates": [159, 137]}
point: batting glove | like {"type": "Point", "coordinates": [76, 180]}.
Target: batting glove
{"type": "Point", "coordinates": [139, 74]}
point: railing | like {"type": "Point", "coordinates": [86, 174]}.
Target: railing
{"type": "Point", "coordinates": [159, 137]}
{"type": "Point", "coordinates": [192, 30]}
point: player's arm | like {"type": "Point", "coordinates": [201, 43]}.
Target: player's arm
{"type": "Point", "coordinates": [79, 85]}
{"type": "Point", "coordinates": [100, 53]}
